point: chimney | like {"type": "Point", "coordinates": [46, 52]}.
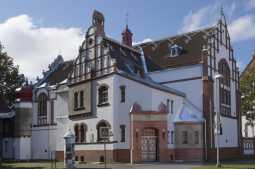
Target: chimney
{"type": "Point", "coordinates": [127, 37]}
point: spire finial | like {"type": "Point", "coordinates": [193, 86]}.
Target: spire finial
{"type": "Point", "coordinates": [222, 15]}
{"type": "Point", "coordinates": [221, 10]}
{"type": "Point", "coordinates": [59, 52]}
{"type": "Point", "coordinates": [126, 20]}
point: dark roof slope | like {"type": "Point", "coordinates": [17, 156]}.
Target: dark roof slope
{"type": "Point", "coordinates": [57, 74]}
{"type": "Point", "coordinates": [60, 74]}
{"type": "Point", "coordinates": [128, 59]}
{"type": "Point", "coordinates": [157, 52]}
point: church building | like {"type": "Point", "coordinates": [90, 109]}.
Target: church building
{"type": "Point", "coordinates": [154, 101]}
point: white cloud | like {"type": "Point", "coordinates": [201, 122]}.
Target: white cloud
{"type": "Point", "coordinates": [143, 41]}
{"type": "Point", "coordinates": [240, 65]}
{"type": "Point", "coordinates": [242, 28]}
{"type": "Point", "coordinates": [194, 20]}
{"type": "Point", "coordinates": [34, 47]}
{"type": "Point", "coordinates": [250, 4]}
{"type": "Point", "coordinates": [206, 16]}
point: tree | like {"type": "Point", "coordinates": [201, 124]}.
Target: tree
{"type": "Point", "coordinates": [247, 87]}
{"type": "Point", "coordinates": [10, 78]}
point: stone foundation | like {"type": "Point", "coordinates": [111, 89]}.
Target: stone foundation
{"type": "Point", "coordinates": [189, 154]}
{"type": "Point", "coordinates": [123, 155]}
{"type": "Point", "coordinates": [118, 155]}
{"type": "Point", "coordinates": [225, 153]}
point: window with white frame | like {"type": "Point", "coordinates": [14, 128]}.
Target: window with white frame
{"type": "Point", "coordinates": [103, 95]}
{"type": "Point", "coordinates": [184, 137]}
{"type": "Point", "coordinates": [42, 109]}
{"type": "Point", "coordinates": [175, 50]}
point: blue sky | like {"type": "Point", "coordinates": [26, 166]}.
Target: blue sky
{"type": "Point", "coordinates": [35, 31]}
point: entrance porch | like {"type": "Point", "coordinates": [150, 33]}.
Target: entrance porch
{"type": "Point", "coordinates": [149, 135]}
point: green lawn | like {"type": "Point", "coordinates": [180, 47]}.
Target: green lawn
{"type": "Point", "coordinates": [229, 166]}
{"type": "Point", "coordinates": [30, 165]}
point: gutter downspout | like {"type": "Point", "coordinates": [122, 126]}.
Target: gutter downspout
{"type": "Point", "coordinates": [132, 140]}
{"type": "Point", "coordinates": [205, 142]}
{"type": "Point", "coordinates": [143, 60]}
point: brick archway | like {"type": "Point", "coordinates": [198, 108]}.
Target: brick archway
{"type": "Point", "coordinates": [142, 122]}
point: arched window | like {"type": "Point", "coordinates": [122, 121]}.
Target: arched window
{"type": "Point", "coordinates": [42, 109]}
{"type": "Point", "coordinates": [76, 100]}
{"type": "Point", "coordinates": [103, 130]}
{"type": "Point", "coordinates": [83, 130]}
{"type": "Point", "coordinates": [225, 100]}
{"type": "Point", "coordinates": [77, 133]}
{"type": "Point", "coordinates": [103, 95]}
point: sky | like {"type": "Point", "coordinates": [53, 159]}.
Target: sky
{"type": "Point", "coordinates": [34, 32]}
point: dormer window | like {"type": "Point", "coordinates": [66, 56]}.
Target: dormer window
{"type": "Point", "coordinates": [175, 50]}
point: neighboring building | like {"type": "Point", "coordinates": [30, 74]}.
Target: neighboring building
{"type": "Point", "coordinates": [248, 126]}
{"type": "Point", "coordinates": [15, 126]}
{"type": "Point", "coordinates": [158, 99]}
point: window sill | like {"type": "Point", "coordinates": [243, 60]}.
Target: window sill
{"type": "Point", "coordinates": [45, 125]}
{"type": "Point", "coordinates": [103, 104]}
{"type": "Point", "coordinates": [79, 108]}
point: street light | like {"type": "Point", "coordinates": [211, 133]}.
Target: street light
{"type": "Point", "coordinates": [218, 77]}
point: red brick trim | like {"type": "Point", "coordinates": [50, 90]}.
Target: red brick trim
{"type": "Point", "coordinates": [189, 154]}
{"type": "Point", "coordinates": [225, 153]}
{"type": "Point", "coordinates": [118, 155]}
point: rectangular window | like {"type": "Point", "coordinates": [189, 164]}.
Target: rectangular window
{"type": "Point", "coordinates": [196, 136]}
{"type": "Point", "coordinates": [167, 105]}
{"type": "Point", "coordinates": [184, 137]}
{"type": "Point", "coordinates": [75, 100]}
{"type": "Point", "coordinates": [52, 111]}
{"type": "Point", "coordinates": [172, 137]}
{"type": "Point", "coordinates": [81, 99]}
{"type": "Point", "coordinates": [5, 146]}
{"type": "Point", "coordinates": [172, 107]}
{"type": "Point", "coordinates": [122, 94]}
{"type": "Point", "coordinates": [221, 130]}
{"type": "Point", "coordinates": [122, 130]}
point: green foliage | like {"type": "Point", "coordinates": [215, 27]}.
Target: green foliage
{"type": "Point", "coordinates": [10, 78]}
{"type": "Point", "coordinates": [247, 87]}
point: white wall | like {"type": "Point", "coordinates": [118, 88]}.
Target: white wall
{"type": "Point", "coordinates": [229, 125]}
{"type": "Point", "coordinates": [116, 113]}
{"type": "Point", "coordinates": [102, 113]}
{"type": "Point", "coordinates": [43, 142]}
{"type": "Point", "coordinates": [147, 97]}
{"type": "Point", "coordinates": [229, 137]}
{"type": "Point", "coordinates": [192, 88]}
{"type": "Point", "coordinates": [22, 148]}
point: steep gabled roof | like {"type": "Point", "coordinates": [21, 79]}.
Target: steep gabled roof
{"type": "Point", "coordinates": [250, 67]}
{"type": "Point", "coordinates": [60, 74]}
{"type": "Point", "coordinates": [57, 73]}
{"type": "Point", "coordinates": [127, 58]}
{"type": "Point", "coordinates": [157, 52]}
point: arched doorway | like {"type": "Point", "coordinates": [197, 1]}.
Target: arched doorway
{"type": "Point", "coordinates": [149, 145]}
